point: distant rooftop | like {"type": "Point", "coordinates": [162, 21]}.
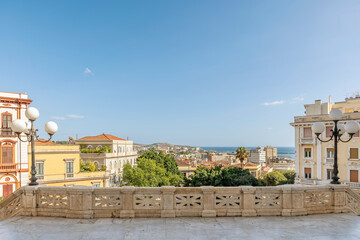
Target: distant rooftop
{"type": "Point", "coordinates": [102, 137]}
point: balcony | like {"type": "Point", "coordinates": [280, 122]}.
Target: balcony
{"type": "Point", "coordinates": [6, 132]}
{"type": "Point", "coordinates": [307, 140]}
{"type": "Point", "coordinates": [9, 167]}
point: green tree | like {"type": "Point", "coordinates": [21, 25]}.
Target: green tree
{"type": "Point", "coordinates": [88, 166]}
{"type": "Point", "coordinates": [242, 155]}
{"type": "Point", "coordinates": [162, 159]}
{"type": "Point", "coordinates": [290, 176]}
{"type": "Point", "coordinates": [219, 176]}
{"type": "Point", "coordinates": [274, 178]}
{"type": "Point", "coordinates": [148, 173]}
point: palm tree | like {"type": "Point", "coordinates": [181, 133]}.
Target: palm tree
{"type": "Point", "coordinates": [241, 154]}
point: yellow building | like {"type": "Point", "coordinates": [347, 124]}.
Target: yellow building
{"type": "Point", "coordinates": [313, 159]}
{"type": "Point", "coordinates": [59, 165]}
{"type": "Point", "coordinates": [186, 167]}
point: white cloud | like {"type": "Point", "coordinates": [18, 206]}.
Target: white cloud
{"type": "Point", "coordinates": [74, 116]}
{"type": "Point", "coordinates": [88, 71]}
{"type": "Point", "coordinates": [297, 100]}
{"type": "Point", "coordinates": [278, 102]}
{"type": "Point", "coordinates": [270, 128]}
{"type": "Point", "coordinates": [58, 118]}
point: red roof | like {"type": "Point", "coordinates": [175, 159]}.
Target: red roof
{"type": "Point", "coordinates": [102, 137]}
{"type": "Point", "coordinates": [44, 143]}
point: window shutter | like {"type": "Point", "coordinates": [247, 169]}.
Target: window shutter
{"type": "Point", "coordinates": [308, 170]}
{"type": "Point", "coordinates": [354, 153]}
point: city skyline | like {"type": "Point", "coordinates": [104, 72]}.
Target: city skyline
{"type": "Point", "coordinates": [198, 73]}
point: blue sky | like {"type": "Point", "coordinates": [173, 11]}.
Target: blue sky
{"type": "Point", "coordinates": [205, 73]}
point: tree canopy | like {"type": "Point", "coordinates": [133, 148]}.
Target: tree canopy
{"type": "Point", "coordinates": [153, 169]}
{"type": "Point", "coordinates": [219, 176]}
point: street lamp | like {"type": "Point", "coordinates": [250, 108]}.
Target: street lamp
{"type": "Point", "coordinates": [20, 126]}
{"type": "Point", "coordinates": [351, 127]}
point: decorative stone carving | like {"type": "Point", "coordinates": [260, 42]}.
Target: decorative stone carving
{"type": "Point", "coordinates": [227, 201]}
{"type": "Point", "coordinates": [142, 201]}
{"type": "Point", "coordinates": [188, 201]}
{"type": "Point", "coordinates": [107, 201]}
{"type": "Point", "coordinates": [53, 200]}
{"type": "Point", "coordinates": [13, 207]}
{"type": "Point", "coordinates": [317, 199]}
{"type": "Point", "coordinates": [267, 200]}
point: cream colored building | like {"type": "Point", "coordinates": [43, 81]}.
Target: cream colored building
{"type": "Point", "coordinates": [120, 152]}
{"type": "Point", "coordinates": [13, 153]}
{"type": "Point", "coordinates": [59, 165]}
{"type": "Point", "coordinates": [313, 159]}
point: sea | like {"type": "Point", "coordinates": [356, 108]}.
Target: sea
{"type": "Point", "coordinates": [283, 152]}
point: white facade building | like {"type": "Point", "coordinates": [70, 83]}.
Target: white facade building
{"type": "Point", "coordinates": [257, 156]}
{"type": "Point", "coordinates": [114, 153]}
{"type": "Point", "coordinates": [14, 168]}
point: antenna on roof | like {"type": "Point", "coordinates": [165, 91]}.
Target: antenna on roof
{"type": "Point", "coordinates": [127, 138]}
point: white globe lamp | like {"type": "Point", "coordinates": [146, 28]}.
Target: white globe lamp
{"type": "Point", "coordinates": [352, 127]}
{"type": "Point", "coordinates": [32, 113]}
{"type": "Point", "coordinates": [318, 127]}
{"type": "Point", "coordinates": [341, 128]}
{"type": "Point", "coordinates": [336, 114]}
{"type": "Point", "coordinates": [51, 127]}
{"type": "Point", "coordinates": [18, 126]}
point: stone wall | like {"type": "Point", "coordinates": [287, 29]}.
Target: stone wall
{"type": "Point", "coordinates": [131, 202]}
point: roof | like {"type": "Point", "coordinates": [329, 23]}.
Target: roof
{"type": "Point", "coordinates": [102, 137]}
{"type": "Point", "coordinates": [45, 143]}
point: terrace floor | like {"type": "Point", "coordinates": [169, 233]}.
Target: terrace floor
{"type": "Point", "coordinates": [327, 226]}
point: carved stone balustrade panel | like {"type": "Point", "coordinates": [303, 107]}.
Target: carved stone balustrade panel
{"type": "Point", "coordinates": [267, 200]}
{"type": "Point", "coordinates": [188, 201]}
{"type": "Point", "coordinates": [148, 201]}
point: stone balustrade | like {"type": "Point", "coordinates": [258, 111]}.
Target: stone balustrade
{"type": "Point", "coordinates": [169, 202]}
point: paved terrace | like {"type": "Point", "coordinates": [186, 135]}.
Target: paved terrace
{"type": "Point", "coordinates": [323, 226]}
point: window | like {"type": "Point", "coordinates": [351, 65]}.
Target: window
{"type": "Point", "coordinates": [7, 153]}
{"type": "Point", "coordinates": [307, 153]}
{"type": "Point", "coordinates": [307, 173]}
{"type": "Point", "coordinates": [354, 153]}
{"type": "Point", "coordinates": [307, 132]}
{"type": "Point", "coordinates": [329, 174]}
{"type": "Point", "coordinates": [357, 134]}
{"type": "Point", "coordinates": [5, 124]}
{"type": "Point", "coordinates": [39, 170]}
{"type": "Point", "coordinates": [69, 168]}
{"type": "Point", "coordinates": [329, 153]}
{"type": "Point", "coordinates": [329, 131]}
{"type": "Point", "coordinates": [354, 175]}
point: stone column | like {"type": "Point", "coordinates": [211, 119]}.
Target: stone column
{"type": "Point", "coordinates": [80, 203]}
{"type": "Point", "coordinates": [298, 200]}
{"type": "Point", "coordinates": [286, 201]}
{"type": "Point", "coordinates": [168, 202]}
{"type": "Point", "coordinates": [29, 201]}
{"type": "Point", "coordinates": [208, 201]}
{"type": "Point", "coordinates": [248, 202]}
{"type": "Point", "coordinates": [339, 198]}
{"type": "Point", "coordinates": [127, 197]}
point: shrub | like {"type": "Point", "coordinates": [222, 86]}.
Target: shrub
{"type": "Point", "coordinates": [274, 178]}
{"type": "Point", "coordinates": [290, 176]}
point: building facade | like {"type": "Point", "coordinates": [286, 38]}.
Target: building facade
{"type": "Point", "coordinates": [314, 159]}
{"type": "Point", "coordinates": [59, 165]}
{"type": "Point", "coordinates": [257, 156]}
{"type": "Point", "coordinates": [108, 151]}
{"type": "Point", "coordinates": [13, 153]}
{"type": "Point", "coordinates": [270, 153]}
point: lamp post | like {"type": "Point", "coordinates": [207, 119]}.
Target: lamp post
{"type": "Point", "coordinates": [351, 127]}
{"type": "Point", "coordinates": [20, 126]}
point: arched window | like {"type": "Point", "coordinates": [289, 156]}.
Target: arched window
{"type": "Point", "coordinates": [89, 147]}
{"type": "Point", "coordinates": [7, 153]}
{"type": "Point", "coordinates": [99, 147]}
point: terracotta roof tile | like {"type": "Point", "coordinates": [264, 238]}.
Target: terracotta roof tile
{"type": "Point", "coordinates": [102, 137]}
{"type": "Point", "coordinates": [44, 143]}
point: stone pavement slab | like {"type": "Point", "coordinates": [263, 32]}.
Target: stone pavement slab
{"type": "Point", "coordinates": [326, 226]}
